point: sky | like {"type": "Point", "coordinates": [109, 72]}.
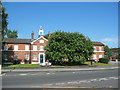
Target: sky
{"type": "Point", "coordinates": [96, 20]}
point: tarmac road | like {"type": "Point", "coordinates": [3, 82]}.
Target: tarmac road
{"type": "Point", "coordinates": [53, 78]}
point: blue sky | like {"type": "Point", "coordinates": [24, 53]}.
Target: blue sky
{"type": "Point", "coordinates": [96, 20]}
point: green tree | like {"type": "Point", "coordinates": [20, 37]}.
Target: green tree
{"type": "Point", "coordinates": [5, 31]}
{"type": "Point", "coordinates": [4, 22]}
{"type": "Point", "coordinates": [12, 34]}
{"type": "Point", "coordinates": [108, 52]}
{"type": "Point", "coordinates": [73, 47]}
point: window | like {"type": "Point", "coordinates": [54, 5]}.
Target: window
{"type": "Point", "coordinates": [15, 57]}
{"type": "Point", "coordinates": [41, 47]}
{"type": "Point", "coordinates": [26, 47]}
{"type": "Point", "coordinates": [5, 47]}
{"type": "Point", "coordinates": [26, 56]}
{"type": "Point", "coordinates": [95, 49]}
{"type": "Point", "coordinates": [34, 56]}
{"type": "Point", "coordinates": [100, 56]}
{"type": "Point", "coordinates": [94, 56]}
{"type": "Point", "coordinates": [16, 47]}
{"type": "Point", "coordinates": [41, 41]}
{"type": "Point", "coordinates": [35, 47]}
{"type": "Point", "coordinates": [5, 57]}
{"type": "Point", "coordinates": [100, 48]}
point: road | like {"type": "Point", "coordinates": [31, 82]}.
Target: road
{"type": "Point", "coordinates": [97, 78]}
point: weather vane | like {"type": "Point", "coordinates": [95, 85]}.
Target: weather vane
{"type": "Point", "coordinates": [40, 27]}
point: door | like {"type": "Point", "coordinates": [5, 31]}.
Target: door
{"type": "Point", "coordinates": [41, 58]}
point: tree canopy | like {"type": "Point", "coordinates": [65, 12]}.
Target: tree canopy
{"type": "Point", "coordinates": [12, 34]}
{"type": "Point", "coordinates": [71, 47]}
{"type": "Point", "coordinates": [108, 52]}
{"type": "Point", "coordinates": [5, 31]}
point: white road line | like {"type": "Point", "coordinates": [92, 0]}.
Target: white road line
{"type": "Point", "coordinates": [103, 79]}
{"type": "Point", "coordinates": [93, 80]}
{"type": "Point", "coordinates": [50, 84]}
{"type": "Point", "coordinates": [22, 74]}
{"type": "Point", "coordinates": [47, 73]}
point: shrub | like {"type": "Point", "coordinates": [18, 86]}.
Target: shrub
{"type": "Point", "coordinates": [104, 60]}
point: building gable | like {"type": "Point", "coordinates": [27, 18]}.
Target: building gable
{"type": "Point", "coordinates": [41, 39]}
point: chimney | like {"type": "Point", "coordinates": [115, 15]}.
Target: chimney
{"type": "Point", "coordinates": [32, 35]}
{"type": "Point", "coordinates": [48, 34]}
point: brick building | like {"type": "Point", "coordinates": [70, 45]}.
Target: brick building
{"type": "Point", "coordinates": [31, 51]}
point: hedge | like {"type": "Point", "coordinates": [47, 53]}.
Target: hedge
{"type": "Point", "coordinates": [104, 60]}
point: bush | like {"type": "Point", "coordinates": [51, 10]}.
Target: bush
{"type": "Point", "coordinates": [104, 60]}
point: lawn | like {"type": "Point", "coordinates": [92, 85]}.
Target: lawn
{"type": "Point", "coordinates": [99, 64]}
{"type": "Point", "coordinates": [37, 65]}
{"type": "Point", "coordinates": [23, 65]}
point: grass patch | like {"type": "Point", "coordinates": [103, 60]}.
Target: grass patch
{"type": "Point", "coordinates": [37, 65]}
{"type": "Point", "coordinates": [99, 64]}
{"type": "Point", "coordinates": [23, 65]}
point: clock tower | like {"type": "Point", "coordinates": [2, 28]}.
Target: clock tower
{"type": "Point", "coordinates": [41, 32]}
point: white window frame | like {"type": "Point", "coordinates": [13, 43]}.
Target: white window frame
{"type": "Point", "coordinates": [95, 48]}
{"type": "Point", "coordinates": [94, 56]}
{"type": "Point", "coordinates": [5, 47]}
{"type": "Point", "coordinates": [16, 47]}
{"type": "Point", "coordinates": [35, 47]}
{"type": "Point", "coordinates": [100, 48]}
{"type": "Point", "coordinates": [41, 47]}
{"type": "Point", "coordinates": [15, 57]}
{"type": "Point", "coordinates": [26, 47]}
{"type": "Point", "coordinates": [34, 56]}
{"type": "Point", "coordinates": [41, 41]}
{"type": "Point", "coordinates": [26, 56]}
{"type": "Point", "coordinates": [100, 55]}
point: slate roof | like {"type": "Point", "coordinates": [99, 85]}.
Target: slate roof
{"type": "Point", "coordinates": [28, 41]}
{"type": "Point", "coordinates": [98, 43]}
{"type": "Point", "coordinates": [14, 40]}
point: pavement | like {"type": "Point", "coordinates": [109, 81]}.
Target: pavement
{"type": "Point", "coordinates": [59, 69]}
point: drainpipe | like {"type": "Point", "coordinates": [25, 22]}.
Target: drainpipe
{"type": "Point", "coordinates": [30, 54]}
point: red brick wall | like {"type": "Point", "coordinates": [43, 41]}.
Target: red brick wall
{"type": "Point", "coordinates": [21, 53]}
{"type": "Point", "coordinates": [97, 52]}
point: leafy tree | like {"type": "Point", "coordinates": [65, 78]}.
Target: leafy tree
{"type": "Point", "coordinates": [4, 21]}
{"type": "Point", "coordinates": [73, 47]}
{"type": "Point", "coordinates": [12, 34]}
{"type": "Point", "coordinates": [108, 52]}
{"type": "Point", "coordinates": [5, 31]}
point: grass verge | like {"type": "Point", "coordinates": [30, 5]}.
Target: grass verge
{"type": "Point", "coordinates": [23, 65]}
{"type": "Point", "coordinates": [99, 64]}
{"type": "Point", "coordinates": [37, 65]}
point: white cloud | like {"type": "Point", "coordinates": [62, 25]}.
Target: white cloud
{"type": "Point", "coordinates": [110, 40]}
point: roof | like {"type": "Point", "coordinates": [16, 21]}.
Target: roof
{"type": "Point", "coordinates": [98, 43]}
{"type": "Point", "coordinates": [15, 40]}
{"type": "Point", "coordinates": [38, 38]}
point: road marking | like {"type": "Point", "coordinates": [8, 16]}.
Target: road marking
{"type": "Point", "coordinates": [93, 80]}
{"type": "Point", "coordinates": [22, 74]}
{"type": "Point", "coordinates": [50, 84]}
{"type": "Point", "coordinates": [47, 73]}
{"type": "Point", "coordinates": [85, 81]}
{"type": "Point", "coordinates": [103, 79]}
